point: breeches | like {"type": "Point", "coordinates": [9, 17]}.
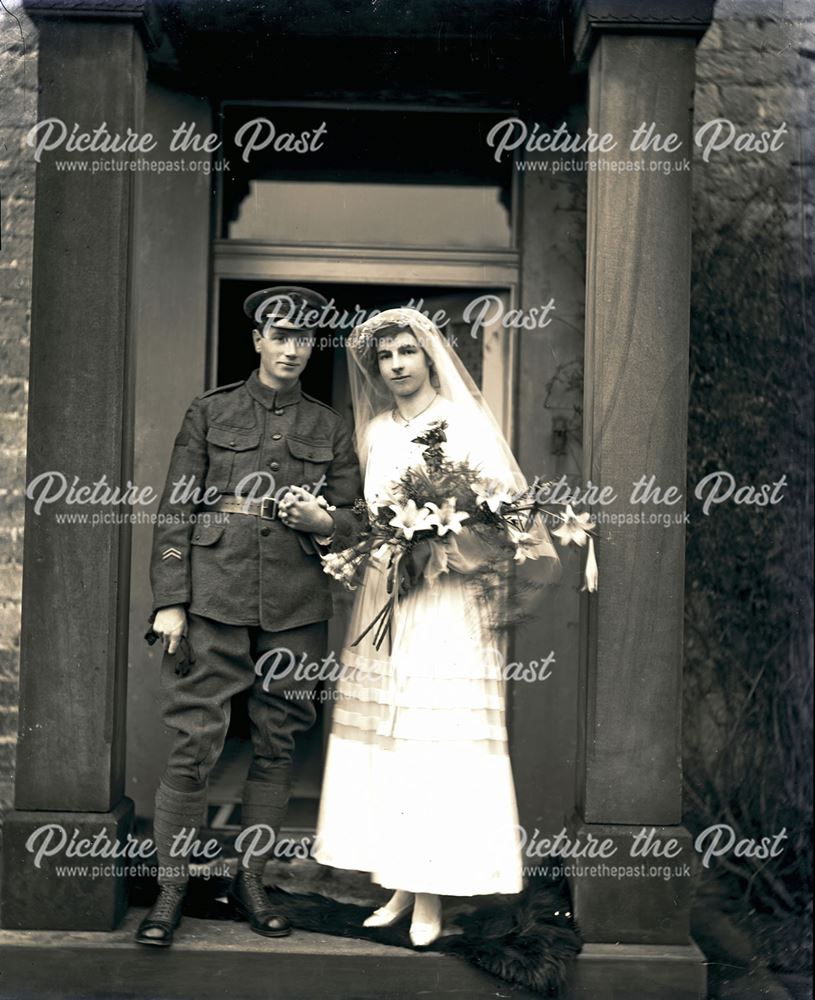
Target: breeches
{"type": "Point", "coordinates": [229, 659]}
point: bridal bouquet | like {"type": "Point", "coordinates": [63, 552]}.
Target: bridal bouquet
{"type": "Point", "coordinates": [446, 516]}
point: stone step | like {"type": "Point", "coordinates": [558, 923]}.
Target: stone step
{"type": "Point", "coordinates": [215, 960]}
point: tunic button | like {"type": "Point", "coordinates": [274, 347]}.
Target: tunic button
{"type": "Point", "coordinates": [265, 531]}
{"type": "Point", "coordinates": [278, 413]}
{"type": "Point", "coordinates": [274, 466]}
{"type": "Point", "coordinates": [276, 437]}
{"type": "Point", "coordinates": [232, 443]}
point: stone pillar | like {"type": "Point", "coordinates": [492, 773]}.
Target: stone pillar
{"type": "Point", "coordinates": [635, 424]}
{"type": "Point", "coordinates": [70, 756]}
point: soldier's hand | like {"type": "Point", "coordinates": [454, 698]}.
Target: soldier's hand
{"type": "Point", "coordinates": [171, 624]}
{"type": "Point", "coordinates": [301, 510]}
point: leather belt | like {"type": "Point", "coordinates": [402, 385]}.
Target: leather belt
{"type": "Point", "coordinates": [266, 508]}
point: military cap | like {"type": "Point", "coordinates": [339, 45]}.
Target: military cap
{"type": "Point", "coordinates": [285, 306]}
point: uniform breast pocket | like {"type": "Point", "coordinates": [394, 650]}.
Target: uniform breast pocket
{"type": "Point", "coordinates": [313, 454]}
{"type": "Point", "coordinates": [232, 456]}
{"type": "Point", "coordinates": [207, 533]}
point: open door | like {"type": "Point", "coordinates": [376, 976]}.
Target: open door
{"type": "Point", "coordinates": [485, 353]}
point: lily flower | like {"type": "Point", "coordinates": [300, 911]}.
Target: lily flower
{"type": "Point", "coordinates": [446, 518]}
{"type": "Point", "coordinates": [491, 494]}
{"type": "Point", "coordinates": [590, 572]}
{"type": "Point", "coordinates": [409, 519]}
{"type": "Point", "coordinates": [575, 527]}
{"type": "Point", "coordinates": [525, 543]}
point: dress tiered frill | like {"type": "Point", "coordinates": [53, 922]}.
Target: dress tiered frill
{"type": "Point", "coordinates": [418, 787]}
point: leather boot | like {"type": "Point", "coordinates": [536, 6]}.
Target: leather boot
{"type": "Point", "coordinates": [164, 916]}
{"type": "Point", "coordinates": [248, 895]}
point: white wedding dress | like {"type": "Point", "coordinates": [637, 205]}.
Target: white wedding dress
{"type": "Point", "coordinates": [418, 787]}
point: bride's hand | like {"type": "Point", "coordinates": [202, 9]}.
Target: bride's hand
{"type": "Point", "coordinates": [301, 510]}
{"type": "Point", "coordinates": [412, 567]}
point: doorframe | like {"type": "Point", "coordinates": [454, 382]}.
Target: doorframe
{"type": "Point", "coordinates": [238, 260]}
{"type": "Point", "coordinates": [448, 267]}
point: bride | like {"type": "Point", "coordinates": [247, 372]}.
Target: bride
{"type": "Point", "coordinates": [418, 787]}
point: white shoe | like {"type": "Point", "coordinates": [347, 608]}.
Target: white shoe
{"type": "Point", "coordinates": [424, 932]}
{"type": "Point", "coordinates": [422, 935]}
{"type": "Point", "coordinates": [388, 915]}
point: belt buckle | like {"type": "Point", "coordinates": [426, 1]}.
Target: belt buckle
{"type": "Point", "coordinates": [268, 504]}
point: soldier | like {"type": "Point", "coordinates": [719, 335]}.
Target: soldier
{"type": "Point", "coordinates": [238, 576]}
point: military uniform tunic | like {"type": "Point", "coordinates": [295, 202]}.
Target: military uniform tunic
{"type": "Point", "coordinates": [244, 570]}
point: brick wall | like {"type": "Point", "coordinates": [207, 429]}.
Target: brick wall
{"type": "Point", "coordinates": [755, 67]}
{"type": "Point", "coordinates": [750, 399]}
{"type": "Point", "coordinates": [18, 102]}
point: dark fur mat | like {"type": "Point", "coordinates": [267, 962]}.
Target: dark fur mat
{"type": "Point", "coordinates": [527, 940]}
